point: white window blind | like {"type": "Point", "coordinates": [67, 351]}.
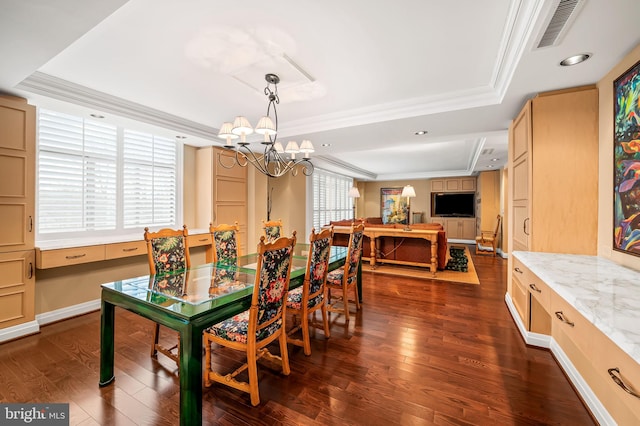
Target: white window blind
{"type": "Point", "coordinates": [95, 177]}
{"type": "Point", "coordinates": [76, 174]}
{"type": "Point", "coordinates": [330, 198]}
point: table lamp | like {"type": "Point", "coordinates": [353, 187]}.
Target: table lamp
{"type": "Point", "coordinates": [354, 193]}
{"type": "Point", "coordinates": [408, 191]}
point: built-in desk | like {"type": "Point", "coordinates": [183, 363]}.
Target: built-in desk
{"type": "Point", "coordinates": [53, 254]}
{"type": "Point", "coordinates": [586, 309]}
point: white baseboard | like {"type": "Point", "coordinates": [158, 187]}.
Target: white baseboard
{"type": "Point", "coordinates": [68, 312]}
{"type": "Point", "coordinates": [10, 333]}
{"type": "Point", "coordinates": [542, 340]}
{"type": "Point", "coordinates": [33, 327]}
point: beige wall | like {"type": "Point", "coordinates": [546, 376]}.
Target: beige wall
{"type": "Point", "coordinates": [369, 203]}
{"type": "Point", "coordinates": [289, 203]}
{"type": "Point", "coordinates": [189, 187]}
{"type": "Point", "coordinates": [605, 169]}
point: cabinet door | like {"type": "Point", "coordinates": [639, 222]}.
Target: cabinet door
{"type": "Point", "coordinates": [17, 174]}
{"type": "Point", "coordinates": [520, 152]}
{"type": "Point", "coordinates": [468, 229]}
{"type": "Point", "coordinates": [17, 288]}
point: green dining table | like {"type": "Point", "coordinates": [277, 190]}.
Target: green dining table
{"type": "Point", "coordinates": [189, 301]}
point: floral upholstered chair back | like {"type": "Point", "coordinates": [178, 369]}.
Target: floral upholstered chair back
{"type": "Point", "coordinates": [318, 266]}
{"type": "Point", "coordinates": [167, 250]}
{"type": "Point", "coordinates": [355, 251]}
{"type": "Point", "coordinates": [272, 230]}
{"type": "Point", "coordinates": [226, 248]}
{"type": "Point", "coordinates": [272, 284]}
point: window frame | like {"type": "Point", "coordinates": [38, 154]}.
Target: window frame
{"type": "Point", "coordinates": [66, 238]}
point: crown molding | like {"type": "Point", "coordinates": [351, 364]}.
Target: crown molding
{"type": "Point", "coordinates": [66, 91]}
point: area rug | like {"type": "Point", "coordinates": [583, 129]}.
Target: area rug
{"type": "Point", "coordinates": [468, 277]}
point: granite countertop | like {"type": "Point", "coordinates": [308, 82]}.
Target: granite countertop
{"type": "Point", "coordinates": [605, 293]}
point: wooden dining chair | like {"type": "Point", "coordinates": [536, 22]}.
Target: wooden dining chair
{"type": "Point", "coordinates": [312, 295]}
{"type": "Point", "coordinates": [344, 279]}
{"type": "Point", "coordinates": [487, 241]}
{"type": "Point", "coordinates": [167, 252]}
{"type": "Point", "coordinates": [225, 244]}
{"type": "Point", "coordinates": [264, 322]}
{"type": "Point", "coordinates": [272, 229]}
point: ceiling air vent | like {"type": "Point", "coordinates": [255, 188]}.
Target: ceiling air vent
{"type": "Point", "coordinates": [559, 24]}
{"type": "Point", "coordinates": [487, 151]}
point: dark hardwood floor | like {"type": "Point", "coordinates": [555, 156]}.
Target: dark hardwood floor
{"type": "Point", "coordinates": [419, 352]}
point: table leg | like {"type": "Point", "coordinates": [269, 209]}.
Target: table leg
{"type": "Point", "coordinates": [434, 256]}
{"type": "Point", "coordinates": [372, 257]}
{"type": "Point", "coordinates": [359, 281]}
{"type": "Point", "coordinates": [106, 343]}
{"type": "Point", "coordinates": [190, 376]}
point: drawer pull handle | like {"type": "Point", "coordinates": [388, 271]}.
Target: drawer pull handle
{"type": "Point", "coordinates": [30, 271]}
{"type": "Point", "coordinates": [130, 249]}
{"type": "Point", "coordinates": [203, 239]}
{"type": "Point", "coordinates": [561, 317]}
{"type": "Point", "coordinates": [534, 288]}
{"type": "Point", "coordinates": [518, 270]}
{"type": "Point", "coordinates": [620, 383]}
{"type": "Point", "coordinates": [77, 256]}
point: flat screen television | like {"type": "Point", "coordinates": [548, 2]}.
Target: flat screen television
{"type": "Point", "coordinates": [453, 204]}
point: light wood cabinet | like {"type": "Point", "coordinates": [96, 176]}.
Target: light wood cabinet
{"type": "Point", "coordinates": [487, 201]}
{"type": "Point", "coordinates": [552, 142]}
{"type": "Point", "coordinates": [532, 299]}
{"type": "Point", "coordinates": [17, 189]}
{"type": "Point", "coordinates": [221, 191]}
{"type": "Point", "coordinates": [465, 184]}
{"type": "Point", "coordinates": [17, 288]}
{"type": "Point", "coordinates": [460, 228]}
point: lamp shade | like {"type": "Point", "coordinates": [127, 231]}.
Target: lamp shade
{"type": "Point", "coordinates": [306, 146]}
{"type": "Point", "coordinates": [226, 131]}
{"type": "Point", "coordinates": [408, 191]}
{"type": "Point", "coordinates": [265, 126]}
{"type": "Point", "coordinates": [354, 193]}
{"type": "Point", "coordinates": [292, 148]}
{"type": "Point", "coordinates": [278, 147]}
{"type": "Point", "coordinates": [241, 126]}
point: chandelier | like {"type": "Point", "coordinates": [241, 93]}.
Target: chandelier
{"type": "Point", "coordinates": [276, 160]}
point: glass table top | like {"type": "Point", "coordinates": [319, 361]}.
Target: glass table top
{"type": "Point", "coordinates": [209, 285]}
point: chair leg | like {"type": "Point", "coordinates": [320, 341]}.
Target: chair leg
{"type": "Point", "coordinates": [325, 320]}
{"type": "Point", "coordinates": [345, 302]}
{"type": "Point", "coordinates": [305, 334]}
{"type": "Point", "coordinates": [252, 369]}
{"type": "Point", "coordinates": [357, 300]}
{"type": "Point", "coordinates": [207, 362]}
{"type": "Point", "coordinates": [284, 353]}
{"type": "Point", "coordinates": [154, 341]}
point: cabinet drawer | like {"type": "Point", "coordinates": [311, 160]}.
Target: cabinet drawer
{"type": "Point", "coordinates": [576, 327]}
{"type": "Point", "coordinates": [538, 288]}
{"type": "Point", "coordinates": [131, 248]}
{"type": "Point", "coordinates": [69, 256]}
{"type": "Point", "coordinates": [520, 298]}
{"type": "Point", "coordinates": [199, 240]}
{"type": "Point", "coordinates": [623, 406]}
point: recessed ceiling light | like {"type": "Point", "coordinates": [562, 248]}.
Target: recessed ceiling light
{"type": "Point", "coordinates": [421, 132]}
{"type": "Point", "coordinates": [490, 166]}
{"type": "Point", "coordinates": [494, 159]}
{"type": "Point", "coordinates": [97, 116]}
{"type": "Point", "coordinates": [326, 144]}
{"type": "Point", "coordinates": [575, 59]}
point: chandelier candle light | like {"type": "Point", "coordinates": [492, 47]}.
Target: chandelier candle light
{"type": "Point", "coordinates": [409, 192]}
{"type": "Point", "coordinates": [275, 161]}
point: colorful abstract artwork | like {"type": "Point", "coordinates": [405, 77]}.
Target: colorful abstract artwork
{"type": "Point", "coordinates": [626, 157]}
{"type": "Point", "coordinates": [393, 207]}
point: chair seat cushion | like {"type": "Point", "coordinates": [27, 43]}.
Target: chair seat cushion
{"type": "Point", "coordinates": [235, 329]}
{"type": "Point", "coordinates": [294, 299]}
{"type": "Point", "coordinates": [484, 239]}
{"type": "Point", "coordinates": [334, 278]}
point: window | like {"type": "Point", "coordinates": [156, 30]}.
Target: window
{"type": "Point", "coordinates": [96, 178]}
{"type": "Point", "coordinates": [331, 198]}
